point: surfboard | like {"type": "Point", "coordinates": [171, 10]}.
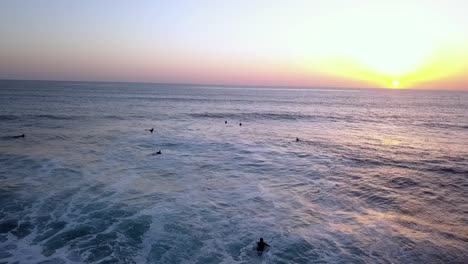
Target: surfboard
{"type": "Point", "coordinates": [260, 253]}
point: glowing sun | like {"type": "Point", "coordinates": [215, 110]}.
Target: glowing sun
{"type": "Point", "coordinates": [396, 83]}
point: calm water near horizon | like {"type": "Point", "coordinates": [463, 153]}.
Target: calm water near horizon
{"type": "Point", "coordinates": [378, 176]}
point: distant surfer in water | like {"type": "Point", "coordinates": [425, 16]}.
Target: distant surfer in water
{"type": "Point", "coordinates": [150, 130]}
{"type": "Point", "coordinates": [297, 140]}
{"type": "Point", "coordinates": [225, 122]}
{"type": "Point", "coordinates": [240, 124]}
{"type": "Point", "coordinates": [157, 153]}
{"type": "Point", "coordinates": [261, 246]}
{"type": "Point", "coordinates": [20, 136]}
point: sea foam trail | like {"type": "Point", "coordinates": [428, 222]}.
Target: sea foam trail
{"type": "Point", "coordinates": [377, 176]}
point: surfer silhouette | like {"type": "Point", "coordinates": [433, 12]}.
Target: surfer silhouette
{"type": "Point", "coordinates": [261, 246]}
{"type": "Point", "coordinates": [20, 136]}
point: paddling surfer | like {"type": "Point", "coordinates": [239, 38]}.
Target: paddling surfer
{"type": "Point", "coordinates": [261, 246]}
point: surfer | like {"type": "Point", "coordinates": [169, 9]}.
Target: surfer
{"type": "Point", "coordinates": [297, 140]}
{"type": "Point", "coordinates": [261, 246]}
{"type": "Point", "coordinates": [157, 153]}
{"type": "Point", "coordinates": [20, 136]}
{"type": "Point", "coordinates": [225, 122]}
{"type": "Point", "coordinates": [240, 124]}
{"type": "Point", "coordinates": [150, 130]}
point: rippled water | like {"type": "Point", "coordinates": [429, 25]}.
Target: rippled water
{"type": "Point", "coordinates": [378, 176]}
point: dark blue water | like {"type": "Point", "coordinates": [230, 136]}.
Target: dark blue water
{"type": "Point", "coordinates": [378, 176]}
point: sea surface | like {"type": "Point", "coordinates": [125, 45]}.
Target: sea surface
{"type": "Point", "coordinates": [377, 176]}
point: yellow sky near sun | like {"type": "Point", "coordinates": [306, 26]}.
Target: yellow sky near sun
{"type": "Point", "coordinates": [392, 47]}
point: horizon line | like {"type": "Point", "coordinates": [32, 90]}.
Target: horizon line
{"type": "Point", "coordinates": [234, 85]}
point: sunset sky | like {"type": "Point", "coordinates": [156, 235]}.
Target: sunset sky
{"type": "Point", "coordinates": [332, 43]}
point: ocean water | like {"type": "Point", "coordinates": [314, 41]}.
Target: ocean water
{"type": "Point", "coordinates": [378, 176]}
